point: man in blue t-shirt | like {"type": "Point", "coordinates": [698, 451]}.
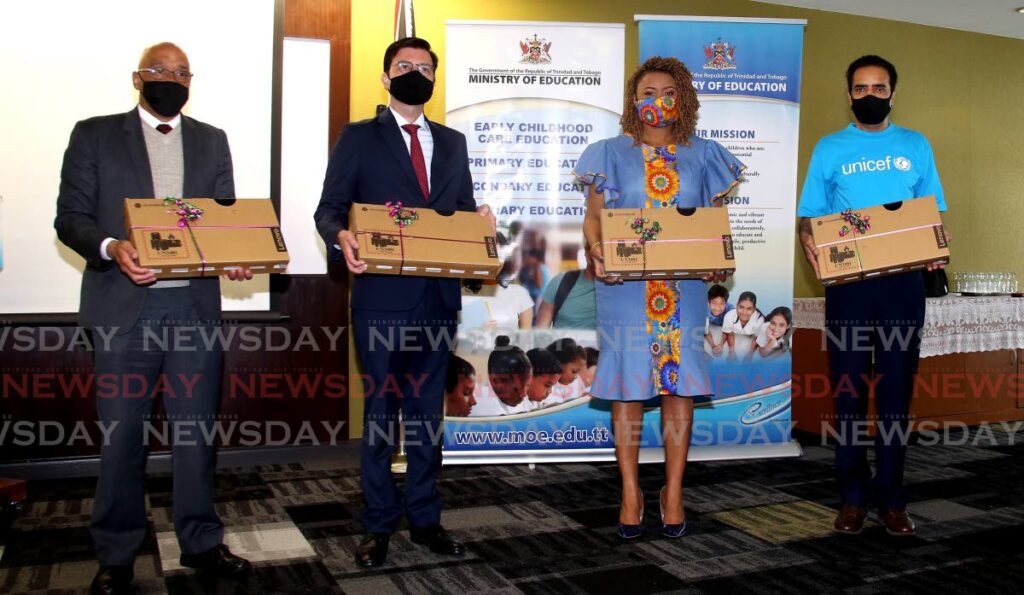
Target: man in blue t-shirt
{"type": "Point", "coordinates": [869, 163]}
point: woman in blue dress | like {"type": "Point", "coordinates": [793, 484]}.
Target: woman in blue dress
{"type": "Point", "coordinates": [651, 332]}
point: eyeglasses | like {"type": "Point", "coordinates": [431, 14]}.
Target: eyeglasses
{"type": "Point", "coordinates": [404, 67]}
{"type": "Point", "coordinates": [181, 75]}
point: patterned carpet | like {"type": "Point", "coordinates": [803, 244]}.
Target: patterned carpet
{"type": "Point", "coordinates": [760, 526]}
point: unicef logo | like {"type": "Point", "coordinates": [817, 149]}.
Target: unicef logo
{"type": "Point", "coordinates": [901, 163]}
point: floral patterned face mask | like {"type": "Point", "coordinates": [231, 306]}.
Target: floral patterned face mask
{"type": "Point", "coordinates": [657, 111]}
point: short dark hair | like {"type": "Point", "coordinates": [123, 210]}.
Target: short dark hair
{"type": "Point", "coordinates": [543, 362]}
{"type": "Point", "coordinates": [407, 42]}
{"type": "Point", "coordinates": [566, 350]}
{"type": "Point", "coordinates": [507, 358]}
{"type": "Point", "coordinates": [718, 291]}
{"type": "Point", "coordinates": [457, 368]}
{"type": "Point", "coordinates": [870, 60]}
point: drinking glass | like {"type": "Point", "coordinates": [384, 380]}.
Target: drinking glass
{"type": "Point", "coordinates": [973, 282]}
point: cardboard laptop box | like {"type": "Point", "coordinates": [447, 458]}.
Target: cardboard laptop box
{"type": "Point", "coordinates": [882, 240]}
{"type": "Point", "coordinates": [666, 243]}
{"type": "Point", "coordinates": [212, 237]}
{"type": "Point", "coordinates": [426, 244]}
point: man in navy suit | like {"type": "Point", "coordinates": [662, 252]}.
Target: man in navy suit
{"type": "Point", "coordinates": [400, 156]}
{"type": "Point", "coordinates": [153, 150]}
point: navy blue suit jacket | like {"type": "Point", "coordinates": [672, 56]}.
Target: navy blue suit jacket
{"type": "Point", "coordinates": [370, 164]}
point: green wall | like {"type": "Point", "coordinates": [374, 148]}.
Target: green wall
{"type": "Point", "coordinates": [962, 90]}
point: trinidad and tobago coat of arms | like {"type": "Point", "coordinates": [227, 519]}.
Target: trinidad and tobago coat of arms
{"type": "Point", "coordinates": [535, 50]}
{"type": "Point", "coordinates": [719, 55]}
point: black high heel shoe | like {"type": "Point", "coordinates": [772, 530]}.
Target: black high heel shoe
{"type": "Point", "coordinates": [631, 532]}
{"type": "Point", "coordinates": [671, 531]}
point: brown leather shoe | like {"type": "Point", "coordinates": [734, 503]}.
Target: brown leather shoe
{"type": "Point", "coordinates": [850, 519]}
{"type": "Point", "coordinates": [897, 522]}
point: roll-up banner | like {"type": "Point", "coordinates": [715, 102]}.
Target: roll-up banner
{"type": "Point", "coordinates": [530, 97]}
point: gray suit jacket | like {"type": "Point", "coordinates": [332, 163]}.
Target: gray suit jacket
{"type": "Point", "coordinates": [106, 162]}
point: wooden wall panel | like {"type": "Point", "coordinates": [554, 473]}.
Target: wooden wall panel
{"type": "Point", "coordinates": [960, 388]}
{"type": "Point", "coordinates": [332, 20]}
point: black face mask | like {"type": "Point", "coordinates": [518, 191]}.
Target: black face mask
{"type": "Point", "coordinates": [871, 110]}
{"type": "Point", "coordinates": [412, 88]}
{"type": "Point", "coordinates": [165, 97]}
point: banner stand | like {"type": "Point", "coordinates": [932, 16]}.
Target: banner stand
{"type": "Point", "coordinates": [698, 454]}
{"type": "Point", "coordinates": [530, 98]}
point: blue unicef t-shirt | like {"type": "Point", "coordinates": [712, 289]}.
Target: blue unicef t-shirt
{"type": "Point", "coordinates": [854, 169]}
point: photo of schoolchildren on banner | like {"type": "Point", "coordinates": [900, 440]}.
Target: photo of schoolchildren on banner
{"type": "Point", "coordinates": [530, 97]}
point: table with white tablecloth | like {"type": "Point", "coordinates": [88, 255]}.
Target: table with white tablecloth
{"type": "Point", "coordinates": [970, 360]}
{"type": "Point", "coordinates": [952, 324]}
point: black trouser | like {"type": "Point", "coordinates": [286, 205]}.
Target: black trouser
{"type": "Point", "coordinates": [404, 356]}
{"type": "Point", "coordinates": [881, 318]}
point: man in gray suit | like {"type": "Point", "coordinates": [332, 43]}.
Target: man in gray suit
{"type": "Point", "coordinates": [151, 151]}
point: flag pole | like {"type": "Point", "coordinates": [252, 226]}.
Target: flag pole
{"type": "Point", "coordinates": [404, 27]}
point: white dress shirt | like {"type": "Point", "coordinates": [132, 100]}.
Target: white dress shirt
{"type": "Point", "coordinates": [426, 138]}
{"type": "Point", "coordinates": [426, 141]}
{"type": "Point", "coordinates": [153, 121]}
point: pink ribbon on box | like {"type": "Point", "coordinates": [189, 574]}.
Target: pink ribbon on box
{"type": "Point", "coordinates": [672, 241]}
{"type": "Point", "coordinates": [647, 234]}
{"type": "Point", "coordinates": [676, 241]}
{"type": "Point", "coordinates": [878, 235]}
{"type": "Point", "coordinates": [186, 211]}
{"type": "Point", "coordinates": [402, 236]}
{"type": "Point", "coordinates": [167, 227]}
{"type": "Point", "coordinates": [860, 264]}
{"type": "Point", "coordinates": [861, 224]}
{"type": "Point", "coordinates": [402, 217]}
{"type": "Point", "coordinates": [195, 242]}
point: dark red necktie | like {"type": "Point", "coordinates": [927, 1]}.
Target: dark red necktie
{"type": "Point", "coordinates": [164, 128]}
{"type": "Point", "coordinates": [419, 165]}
